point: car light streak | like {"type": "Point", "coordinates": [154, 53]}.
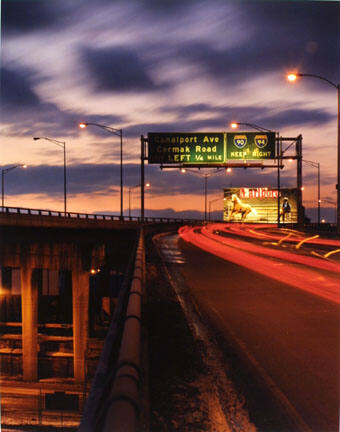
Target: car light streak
{"type": "Point", "coordinates": [251, 231]}
{"type": "Point", "coordinates": [287, 256]}
{"type": "Point", "coordinates": [247, 255]}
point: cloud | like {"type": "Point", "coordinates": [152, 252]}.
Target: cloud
{"type": "Point", "coordinates": [167, 7]}
{"type": "Point", "coordinates": [16, 89]}
{"type": "Point", "coordinates": [280, 36]}
{"type": "Point", "coordinates": [262, 116]}
{"type": "Point", "coordinates": [83, 178]}
{"type": "Point", "coordinates": [94, 178]}
{"type": "Point", "coordinates": [26, 16]}
{"type": "Point", "coordinates": [301, 34]}
{"type": "Point", "coordinates": [297, 117]}
{"type": "Point", "coordinates": [119, 69]}
{"type": "Point", "coordinates": [26, 114]}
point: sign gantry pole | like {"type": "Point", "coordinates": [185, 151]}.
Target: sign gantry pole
{"type": "Point", "coordinates": [299, 179]}
{"type": "Point", "coordinates": [142, 177]}
{"type": "Point", "coordinates": [279, 161]}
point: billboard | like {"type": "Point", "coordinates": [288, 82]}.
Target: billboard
{"type": "Point", "coordinates": [259, 205]}
{"type": "Point", "coordinates": [209, 147]}
{"type": "Point", "coordinates": [184, 148]}
{"type": "Point", "coordinates": [251, 145]}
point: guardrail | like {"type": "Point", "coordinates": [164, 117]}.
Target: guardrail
{"type": "Point", "coordinates": [124, 405]}
{"type": "Point", "coordinates": [113, 401]}
{"type": "Point", "coordinates": [94, 216]}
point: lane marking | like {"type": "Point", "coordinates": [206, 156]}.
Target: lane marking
{"type": "Point", "coordinates": [284, 238]}
{"type": "Point", "coordinates": [331, 253]}
{"type": "Point", "coordinates": [305, 240]}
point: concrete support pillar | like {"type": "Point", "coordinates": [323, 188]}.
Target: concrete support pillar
{"type": "Point", "coordinates": [29, 307]}
{"type": "Point", "coordinates": [80, 307]}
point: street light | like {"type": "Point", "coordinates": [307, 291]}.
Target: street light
{"type": "Point", "coordinates": [118, 132]}
{"type": "Point", "coordinates": [235, 125]}
{"type": "Point", "coordinates": [212, 201]}
{"type": "Point", "coordinates": [205, 176]}
{"type": "Point", "coordinates": [315, 165]}
{"type": "Point", "coordinates": [3, 172]}
{"type": "Point", "coordinates": [147, 185]}
{"type": "Point", "coordinates": [293, 77]}
{"type": "Point", "coordinates": [63, 145]}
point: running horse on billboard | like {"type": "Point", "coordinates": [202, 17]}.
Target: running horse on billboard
{"type": "Point", "coordinates": [238, 207]}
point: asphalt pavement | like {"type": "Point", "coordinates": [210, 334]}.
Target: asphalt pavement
{"type": "Point", "coordinates": [289, 336]}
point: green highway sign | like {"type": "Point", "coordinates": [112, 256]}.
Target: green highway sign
{"type": "Point", "coordinates": [209, 147]}
{"type": "Point", "coordinates": [250, 145]}
{"type": "Point", "coordinates": [181, 148]}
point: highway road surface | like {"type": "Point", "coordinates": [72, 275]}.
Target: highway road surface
{"type": "Point", "coordinates": [274, 296]}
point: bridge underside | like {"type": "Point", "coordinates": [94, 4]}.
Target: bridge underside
{"type": "Point", "coordinates": [58, 289]}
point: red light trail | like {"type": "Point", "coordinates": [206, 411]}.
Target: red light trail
{"type": "Point", "coordinates": [315, 275]}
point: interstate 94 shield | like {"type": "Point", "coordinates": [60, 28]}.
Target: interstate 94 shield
{"type": "Point", "coordinates": [260, 205]}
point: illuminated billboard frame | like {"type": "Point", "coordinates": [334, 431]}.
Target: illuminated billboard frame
{"type": "Point", "coordinates": [260, 205]}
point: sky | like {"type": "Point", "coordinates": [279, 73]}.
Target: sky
{"type": "Point", "coordinates": [161, 66]}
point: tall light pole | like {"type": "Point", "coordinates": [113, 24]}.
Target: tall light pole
{"type": "Point", "coordinates": [315, 165]}
{"type": "Point", "coordinates": [292, 77]}
{"type": "Point", "coordinates": [130, 189]}
{"type": "Point", "coordinates": [212, 201]}
{"type": "Point", "coordinates": [118, 132]}
{"type": "Point", "coordinates": [61, 144]}
{"type": "Point", "coordinates": [3, 172]}
{"type": "Point", "coordinates": [205, 176]}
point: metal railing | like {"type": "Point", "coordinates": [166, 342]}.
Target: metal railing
{"type": "Point", "coordinates": [94, 216]}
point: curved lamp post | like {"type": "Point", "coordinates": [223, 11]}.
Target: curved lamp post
{"type": "Point", "coordinates": [293, 77]}
{"type": "Point", "coordinates": [3, 172]}
{"type": "Point", "coordinates": [118, 132]}
{"type": "Point", "coordinates": [61, 144]}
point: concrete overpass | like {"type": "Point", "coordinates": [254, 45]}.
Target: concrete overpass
{"type": "Point", "coordinates": [61, 277]}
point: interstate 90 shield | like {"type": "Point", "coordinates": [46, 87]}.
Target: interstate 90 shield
{"type": "Point", "coordinates": [251, 145]}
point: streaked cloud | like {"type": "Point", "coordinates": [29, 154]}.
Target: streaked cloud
{"type": "Point", "coordinates": [161, 65]}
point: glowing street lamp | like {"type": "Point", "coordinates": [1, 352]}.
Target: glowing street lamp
{"type": "Point", "coordinates": [63, 145]}
{"type": "Point", "coordinates": [118, 132]}
{"type": "Point", "coordinates": [3, 172]}
{"type": "Point", "coordinates": [235, 125]}
{"type": "Point", "coordinates": [292, 77]}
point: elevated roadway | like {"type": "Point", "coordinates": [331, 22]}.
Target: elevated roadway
{"type": "Point", "coordinates": [274, 299]}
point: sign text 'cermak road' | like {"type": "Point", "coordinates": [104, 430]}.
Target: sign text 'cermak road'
{"type": "Point", "coordinates": [186, 147]}
{"type": "Point", "coordinates": [209, 147]}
